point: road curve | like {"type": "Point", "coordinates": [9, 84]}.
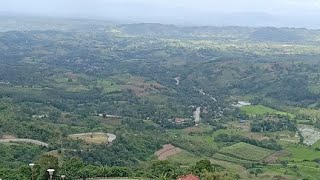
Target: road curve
{"type": "Point", "coordinates": [32, 141]}
{"type": "Point", "coordinates": [111, 137]}
{"type": "Point", "coordinates": [177, 80]}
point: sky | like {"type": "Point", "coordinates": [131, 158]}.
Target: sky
{"type": "Point", "coordinates": [290, 13]}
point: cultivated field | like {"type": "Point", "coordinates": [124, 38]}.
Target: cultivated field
{"type": "Point", "coordinates": [166, 151]}
{"type": "Point", "coordinates": [246, 151]}
{"type": "Point", "coordinates": [262, 110]}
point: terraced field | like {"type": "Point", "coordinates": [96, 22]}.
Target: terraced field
{"type": "Point", "coordinates": [222, 157]}
{"type": "Point", "coordinates": [246, 151]}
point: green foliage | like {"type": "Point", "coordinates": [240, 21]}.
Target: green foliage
{"type": "Point", "coordinates": [273, 125]}
{"type": "Point", "coordinates": [55, 80]}
{"type": "Point", "coordinates": [14, 155]}
{"type": "Point", "coordinates": [127, 150]}
{"type": "Point", "coordinates": [202, 166]}
{"type": "Point", "coordinates": [72, 168]}
{"type": "Point", "coordinates": [246, 151]}
{"type": "Point", "coordinates": [255, 110]}
{"type": "Point", "coordinates": [44, 163]}
{"type": "Point", "coordinates": [269, 144]}
{"type": "Point", "coordinates": [164, 169]}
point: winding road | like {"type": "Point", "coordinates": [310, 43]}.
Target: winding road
{"type": "Point", "coordinates": [177, 80]}
{"type": "Point", "coordinates": [111, 137]}
{"type": "Point", "coordinates": [32, 141]}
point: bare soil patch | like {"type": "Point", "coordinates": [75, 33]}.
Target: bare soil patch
{"type": "Point", "coordinates": [94, 138]}
{"type": "Point", "coordinates": [8, 137]}
{"type": "Point", "coordinates": [240, 126]}
{"type": "Point", "coordinates": [274, 158]}
{"type": "Point", "coordinates": [166, 151]}
{"type": "Point", "coordinates": [193, 130]}
{"type": "Point", "coordinates": [311, 135]}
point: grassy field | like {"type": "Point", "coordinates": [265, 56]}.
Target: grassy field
{"type": "Point", "coordinates": [316, 145]}
{"type": "Point", "coordinates": [91, 138]}
{"type": "Point", "coordinates": [128, 79]}
{"type": "Point", "coordinates": [73, 86]}
{"type": "Point", "coordinates": [185, 158]}
{"type": "Point", "coordinates": [306, 111]}
{"type": "Point", "coordinates": [157, 98]}
{"type": "Point", "coordinates": [262, 110]}
{"type": "Point", "coordinates": [76, 88]}
{"type": "Point", "coordinates": [308, 171]}
{"type": "Point", "coordinates": [108, 86]}
{"type": "Point", "coordinates": [223, 157]}
{"type": "Point", "coordinates": [301, 153]}
{"type": "Point", "coordinates": [246, 151]}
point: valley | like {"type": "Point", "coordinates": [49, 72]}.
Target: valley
{"type": "Point", "coordinates": [150, 101]}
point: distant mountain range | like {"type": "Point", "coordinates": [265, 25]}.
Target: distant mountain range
{"type": "Point", "coordinates": [181, 17]}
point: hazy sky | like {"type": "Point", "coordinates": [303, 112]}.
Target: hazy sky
{"type": "Point", "coordinates": [304, 13]}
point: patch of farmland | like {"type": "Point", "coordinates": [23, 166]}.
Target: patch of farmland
{"type": "Point", "coordinates": [246, 151]}
{"type": "Point", "coordinates": [166, 151]}
{"type": "Point", "coordinates": [108, 86]}
{"type": "Point", "coordinates": [222, 157]}
{"type": "Point", "coordinates": [94, 138]}
{"type": "Point", "coordinates": [310, 134]}
{"type": "Point", "coordinates": [184, 158]}
{"type": "Point", "coordinates": [274, 158]}
{"type": "Point", "coordinates": [254, 110]}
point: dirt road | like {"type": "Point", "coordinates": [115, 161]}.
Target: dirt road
{"type": "Point", "coordinates": [24, 140]}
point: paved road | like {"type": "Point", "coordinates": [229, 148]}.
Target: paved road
{"type": "Point", "coordinates": [197, 115]}
{"type": "Point", "coordinates": [24, 140]}
{"type": "Point", "coordinates": [111, 137]}
{"type": "Point", "coordinates": [178, 80]}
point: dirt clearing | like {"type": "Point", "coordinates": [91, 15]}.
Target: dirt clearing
{"type": "Point", "coordinates": [311, 135]}
{"type": "Point", "coordinates": [166, 151]}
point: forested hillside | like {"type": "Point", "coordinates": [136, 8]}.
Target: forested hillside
{"type": "Point", "coordinates": [100, 99]}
